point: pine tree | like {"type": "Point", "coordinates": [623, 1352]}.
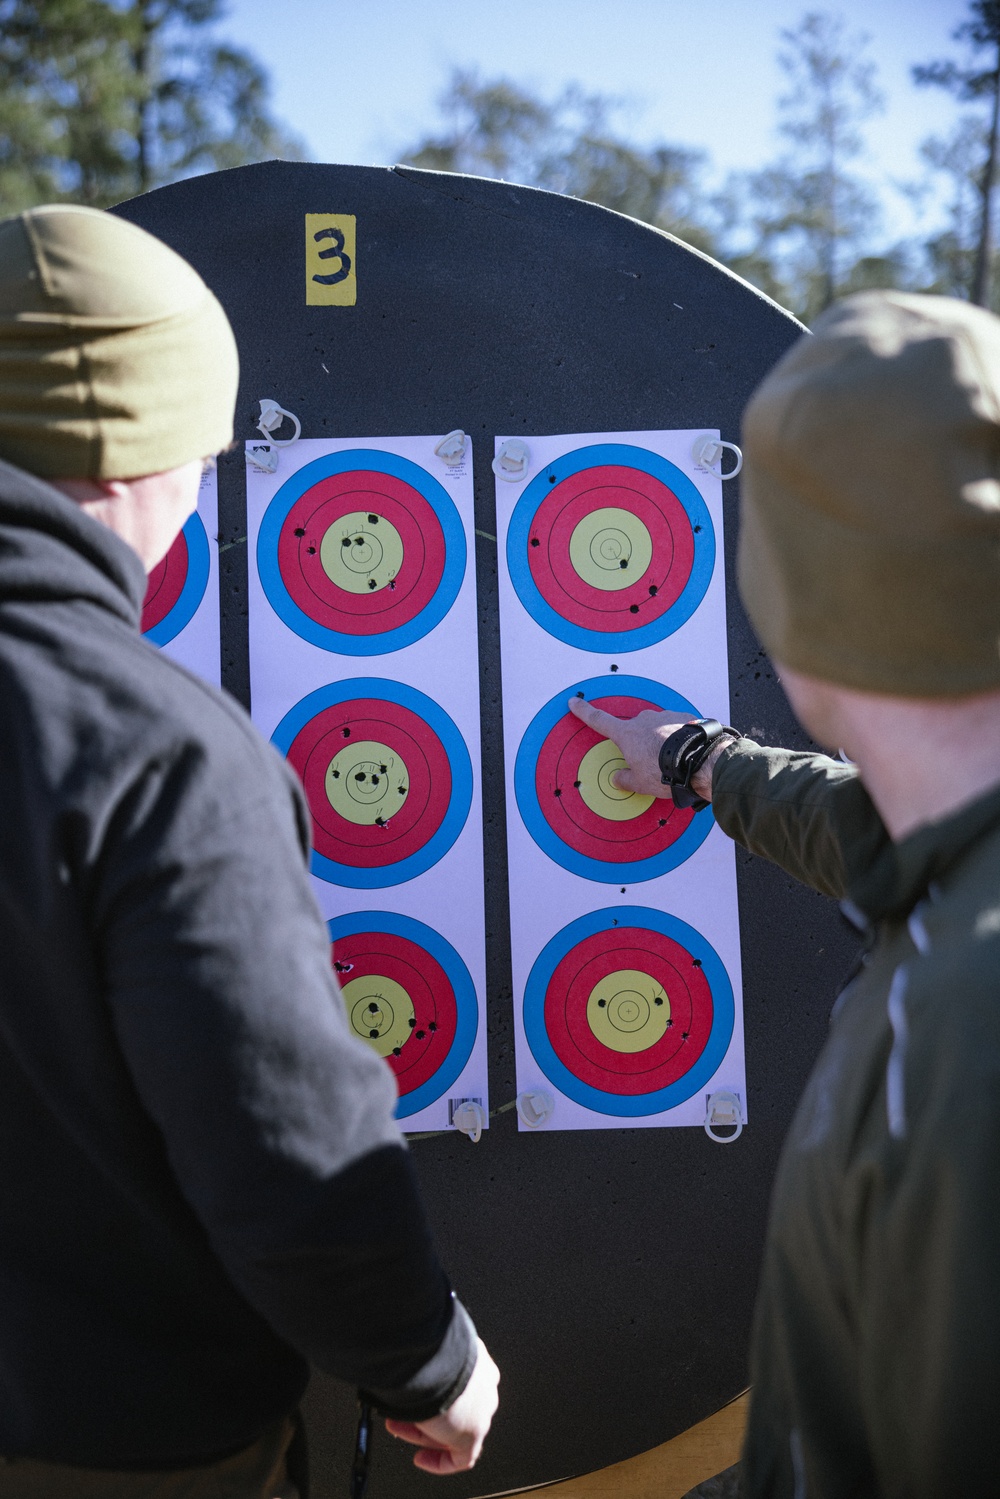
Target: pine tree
{"type": "Point", "coordinates": [973, 83]}
{"type": "Point", "coordinates": [101, 100]}
{"type": "Point", "coordinates": [567, 145]}
{"type": "Point", "coordinates": [810, 215]}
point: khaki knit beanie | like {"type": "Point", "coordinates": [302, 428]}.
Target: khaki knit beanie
{"type": "Point", "coordinates": [115, 358]}
{"type": "Point", "coordinates": [870, 535]}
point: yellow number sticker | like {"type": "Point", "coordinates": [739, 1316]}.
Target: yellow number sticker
{"type": "Point", "coordinates": [331, 280]}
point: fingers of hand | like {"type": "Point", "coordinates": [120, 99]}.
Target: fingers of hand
{"type": "Point", "coordinates": [409, 1431]}
{"type": "Point", "coordinates": [595, 718]}
{"type": "Point", "coordinates": [454, 1460]}
{"type": "Point", "coordinates": [641, 784]}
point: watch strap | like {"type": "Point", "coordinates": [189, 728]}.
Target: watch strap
{"type": "Point", "coordinates": [683, 754]}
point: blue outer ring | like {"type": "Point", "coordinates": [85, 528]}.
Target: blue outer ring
{"type": "Point", "coordinates": [436, 607]}
{"type": "Point", "coordinates": [629, 1106]}
{"type": "Point", "coordinates": [547, 839]}
{"type": "Point", "coordinates": [466, 1003]}
{"type": "Point", "coordinates": [195, 584]}
{"type": "Point", "coordinates": [458, 758]}
{"type": "Point", "coordinates": [694, 590]}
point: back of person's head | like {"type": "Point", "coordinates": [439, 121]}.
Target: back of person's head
{"type": "Point", "coordinates": [116, 361]}
{"type": "Point", "coordinates": [870, 533]}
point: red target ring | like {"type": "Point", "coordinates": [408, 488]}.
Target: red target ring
{"type": "Point", "coordinates": [165, 585]}
{"type": "Point", "coordinates": [422, 760]}
{"type": "Point", "coordinates": [385, 498]}
{"type": "Point", "coordinates": [384, 955]}
{"type": "Point", "coordinates": [618, 488]}
{"type": "Point", "coordinates": [668, 965]}
{"type": "Point", "coordinates": [562, 804]}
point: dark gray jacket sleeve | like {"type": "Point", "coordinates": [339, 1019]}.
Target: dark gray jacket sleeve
{"type": "Point", "coordinates": [807, 813]}
{"type": "Point", "coordinates": [923, 1219]}
{"type": "Point", "coordinates": [277, 1121]}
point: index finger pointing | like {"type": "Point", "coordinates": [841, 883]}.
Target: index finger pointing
{"type": "Point", "coordinates": [596, 718]}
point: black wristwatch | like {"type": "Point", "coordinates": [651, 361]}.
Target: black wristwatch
{"type": "Point", "coordinates": [684, 753]}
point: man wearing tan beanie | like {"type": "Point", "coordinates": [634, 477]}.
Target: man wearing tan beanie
{"type": "Point", "coordinates": [870, 567]}
{"type": "Point", "coordinates": [203, 1186]}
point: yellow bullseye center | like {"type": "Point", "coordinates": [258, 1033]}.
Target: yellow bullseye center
{"type": "Point", "coordinates": [599, 792]}
{"type": "Point", "coordinates": [610, 549]}
{"type": "Point", "coordinates": [366, 782]}
{"type": "Point", "coordinates": [628, 1010]}
{"type": "Point", "coordinates": [361, 552]}
{"type": "Point", "coordinates": [381, 1012]}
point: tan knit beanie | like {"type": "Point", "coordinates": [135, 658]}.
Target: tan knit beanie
{"type": "Point", "coordinates": [870, 534]}
{"type": "Point", "coordinates": [115, 358]}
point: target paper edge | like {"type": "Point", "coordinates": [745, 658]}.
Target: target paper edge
{"type": "Point", "coordinates": [328, 466]}
{"type": "Point", "coordinates": [195, 584]}
{"type": "Point", "coordinates": [463, 987]}
{"type": "Point", "coordinates": [584, 1094]}
{"type": "Point", "coordinates": [541, 611]}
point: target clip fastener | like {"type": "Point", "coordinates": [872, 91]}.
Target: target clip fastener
{"type": "Point", "coordinates": [470, 1118]}
{"type": "Point", "coordinates": [707, 454]}
{"type": "Point", "coordinates": [535, 1107]}
{"type": "Point", "coordinates": [452, 448]}
{"type": "Point", "coordinates": [684, 753]}
{"type": "Point", "coordinates": [723, 1110]}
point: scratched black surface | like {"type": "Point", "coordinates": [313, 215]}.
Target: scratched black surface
{"type": "Point", "coordinates": [612, 1273]}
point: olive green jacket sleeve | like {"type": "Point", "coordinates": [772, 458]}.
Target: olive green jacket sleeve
{"type": "Point", "coordinates": [807, 813]}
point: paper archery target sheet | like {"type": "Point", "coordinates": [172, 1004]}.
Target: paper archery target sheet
{"type": "Point", "coordinates": [624, 923]}
{"type": "Point", "coordinates": [364, 673]}
{"type": "Point", "coordinates": [180, 612]}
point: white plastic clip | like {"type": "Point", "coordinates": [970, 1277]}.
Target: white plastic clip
{"type": "Point", "coordinates": [271, 417]}
{"type": "Point", "coordinates": [534, 1108]}
{"type": "Point", "coordinates": [511, 463]}
{"type": "Point", "coordinates": [723, 1110]}
{"type": "Point", "coordinates": [263, 457]}
{"type": "Point", "coordinates": [470, 1118]}
{"type": "Point", "coordinates": [452, 449]}
{"type": "Point", "coordinates": [707, 454]}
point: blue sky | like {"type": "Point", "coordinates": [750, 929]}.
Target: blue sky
{"type": "Point", "coordinates": [358, 81]}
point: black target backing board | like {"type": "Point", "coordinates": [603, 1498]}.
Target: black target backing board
{"type": "Point", "coordinates": [611, 1274]}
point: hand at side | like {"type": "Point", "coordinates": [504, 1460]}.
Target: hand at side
{"type": "Point", "coordinates": [452, 1441]}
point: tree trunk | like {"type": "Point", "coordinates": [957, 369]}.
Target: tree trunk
{"type": "Point", "coordinates": [980, 291]}
{"type": "Point", "coordinates": [144, 129]}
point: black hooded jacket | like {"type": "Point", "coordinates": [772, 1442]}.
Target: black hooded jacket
{"type": "Point", "coordinates": [201, 1183]}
